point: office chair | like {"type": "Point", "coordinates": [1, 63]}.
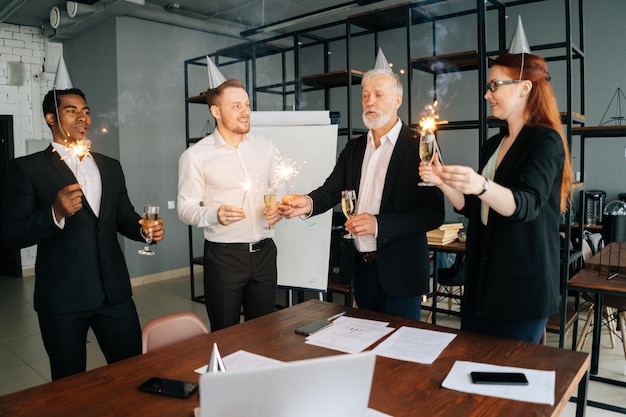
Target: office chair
{"type": "Point", "coordinates": [451, 283]}
{"type": "Point", "coordinates": [170, 329]}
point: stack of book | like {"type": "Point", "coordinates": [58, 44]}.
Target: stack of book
{"type": "Point", "coordinates": [446, 233]}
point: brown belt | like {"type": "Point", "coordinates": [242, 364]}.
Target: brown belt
{"type": "Point", "coordinates": [368, 257]}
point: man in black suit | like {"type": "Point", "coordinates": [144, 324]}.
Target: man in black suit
{"type": "Point", "coordinates": [72, 208]}
{"type": "Point", "coordinates": [389, 258]}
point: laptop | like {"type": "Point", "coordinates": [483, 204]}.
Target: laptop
{"type": "Point", "coordinates": [334, 386]}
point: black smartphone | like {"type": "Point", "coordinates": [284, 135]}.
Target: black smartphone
{"type": "Point", "coordinates": [171, 387]}
{"type": "Point", "coordinates": [499, 378]}
{"type": "Point", "coordinates": [312, 327]}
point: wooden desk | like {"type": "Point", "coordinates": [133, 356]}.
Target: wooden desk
{"type": "Point", "coordinates": [452, 247]}
{"type": "Point", "coordinates": [587, 280]}
{"type": "Point", "coordinates": [399, 388]}
{"type": "Point", "coordinates": [611, 258]}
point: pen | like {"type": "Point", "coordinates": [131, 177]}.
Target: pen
{"type": "Point", "coordinates": [336, 316]}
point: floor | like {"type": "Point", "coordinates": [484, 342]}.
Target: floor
{"type": "Point", "coordinates": [24, 364]}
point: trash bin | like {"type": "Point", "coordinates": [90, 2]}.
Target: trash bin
{"type": "Point", "coordinates": [614, 222]}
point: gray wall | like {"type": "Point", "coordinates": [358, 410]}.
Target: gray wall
{"type": "Point", "coordinates": [132, 72]}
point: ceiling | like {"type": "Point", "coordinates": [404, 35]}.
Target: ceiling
{"type": "Point", "coordinates": [227, 17]}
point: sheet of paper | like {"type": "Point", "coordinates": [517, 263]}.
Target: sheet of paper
{"type": "Point", "coordinates": [540, 388]}
{"type": "Point", "coordinates": [414, 345]}
{"type": "Point", "coordinates": [370, 412]}
{"type": "Point", "coordinates": [349, 335]}
{"type": "Point", "coordinates": [243, 360]}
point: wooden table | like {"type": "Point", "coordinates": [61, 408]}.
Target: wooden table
{"type": "Point", "coordinates": [610, 259]}
{"type": "Point", "coordinates": [399, 388]}
{"type": "Point", "coordinates": [597, 282]}
{"type": "Point", "coordinates": [452, 247]}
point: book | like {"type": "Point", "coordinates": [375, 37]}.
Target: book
{"type": "Point", "coordinates": [455, 226]}
{"type": "Point", "coordinates": [441, 241]}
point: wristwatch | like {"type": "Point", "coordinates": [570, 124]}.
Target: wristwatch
{"type": "Point", "coordinates": [485, 187]}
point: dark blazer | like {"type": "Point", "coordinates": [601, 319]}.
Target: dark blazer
{"type": "Point", "coordinates": [80, 266]}
{"type": "Point", "coordinates": [407, 212]}
{"type": "Point", "coordinates": [513, 262]}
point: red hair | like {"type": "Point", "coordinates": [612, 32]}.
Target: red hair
{"type": "Point", "coordinates": [541, 108]}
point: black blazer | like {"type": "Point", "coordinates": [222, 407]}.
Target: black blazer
{"type": "Point", "coordinates": [513, 262]}
{"type": "Point", "coordinates": [81, 265]}
{"type": "Point", "coordinates": [407, 212]}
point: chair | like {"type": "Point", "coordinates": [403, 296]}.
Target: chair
{"type": "Point", "coordinates": [170, 329]}
{"type": "Point", "coordinates": [337, 243]}
{"type": "Point", "coordinates": [451, 283]}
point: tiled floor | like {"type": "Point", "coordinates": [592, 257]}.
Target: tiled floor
{"type": "Point", "coordinates": [23, 360]}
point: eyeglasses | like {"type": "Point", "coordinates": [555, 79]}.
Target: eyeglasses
{"type": "Point", "coordinates": [493, 85]}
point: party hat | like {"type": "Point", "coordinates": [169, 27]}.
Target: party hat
{"type": "Point", "coordinates": [215, 363]}
{"type": "Point", "coordinates": [62, 80]}
{"type": "Point", "coordinates": [519, 44]}
{"type": "Point", "coordinates": [381, 61]}
{"type": "Point", "coordinates": [216, 78]}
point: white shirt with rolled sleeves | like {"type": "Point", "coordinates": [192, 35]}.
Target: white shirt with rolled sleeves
{"type": "Point", "coordinates": [212, 173]}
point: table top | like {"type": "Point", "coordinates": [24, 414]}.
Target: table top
{"type": "Point", "coordinates": [595, 281]}
{"type": "Point", "coordinates": [399, 388]}
{"type": "Point", "coordinates": [613, 254]}
{"type": "Point", "coordinates": [455, 246]}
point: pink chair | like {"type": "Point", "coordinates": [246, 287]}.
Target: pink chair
{"type": "Point", "coordinates": [170, 329]}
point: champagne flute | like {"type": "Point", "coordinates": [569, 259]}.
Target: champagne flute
{"type": "Point", "coordinates": [270, 202]}
{"type": "Point", "coordinates": [150, 216]}
{"type": "Point", "coordinates": [427, 152]}
{"type": "Point", "coordinates": [348, 205]}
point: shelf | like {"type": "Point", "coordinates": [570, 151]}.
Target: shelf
{"type": "Point", "coordinates": [600, 131]}
{"type": "Point", "coordinates": [332, 79]}
{"type": "Point", "coordinates": [392, 17]}
{"type": "Point", "coordinates": [249, 50]}
{"type": "Point", "coordinates": [199, 99]}
{"type": "Point", "coordinates": [441, 64]}
{"type": "Point", "coordinates": [576, 118]}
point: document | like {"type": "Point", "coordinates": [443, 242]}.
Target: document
{"type": "Point", "coordinates": [350, 335]}
{"type": "Point", "coordinates": [414, 345]}
{"type": "Point", "coordinates": [540, 388]}
{"type": "Point", "coordinates": [243, 360]}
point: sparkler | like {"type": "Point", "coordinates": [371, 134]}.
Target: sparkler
{"type": "Point", "coordinates": [429, 122]}
{"type": "Point", "coordinates": [286, 169]}
{"type": "Point", "coordinates": [246, 186]}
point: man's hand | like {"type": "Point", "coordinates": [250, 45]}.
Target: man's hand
{"type": "Point", "coordinates": [68, 201]}
{"type": "Point", "coordinates": [362, 224]}
{"type": "Point", "coordinates": [295, 205]}
{"type": "Point", "coordinates": [155, 231]}
{"type": "Point", "coordinates": [230, 214]}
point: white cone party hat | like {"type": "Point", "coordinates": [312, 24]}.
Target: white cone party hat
{"type": "Point", "coordinates": [519, 44]}
{"type": "Point", "coordinates": [216, 78]}
{"type": "Point", "coordinates": [62, 80]}
{"type": "Point", "coordinates": [381, 61]}
{"type": "Point", "coordinates": [215, 363]}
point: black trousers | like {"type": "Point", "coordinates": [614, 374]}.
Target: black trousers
{"type": "Point", "coordinates": [116, 327]}
{"type": "Point", "coordinates": [234, 278]}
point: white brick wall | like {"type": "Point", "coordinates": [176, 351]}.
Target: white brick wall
{"type": "Point", "coordinates": [25, 45]}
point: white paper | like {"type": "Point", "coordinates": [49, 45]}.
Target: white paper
{"type": "Point", "coordinates": [243, 360]}
{"type": "Point", "coordinates": [289, 118]}
{"type": "Point", "coordinates": [540, 388]}
{"type": "Point", "coordinates": [349, 335]}
{"type": "Point", "coordinates": [414, 345]}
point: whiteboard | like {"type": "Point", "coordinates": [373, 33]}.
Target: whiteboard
{"type": "Point", "coordinates": [304, 245]}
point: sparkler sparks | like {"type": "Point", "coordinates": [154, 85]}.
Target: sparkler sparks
{"type": "Point", "coordinates": [246, 187]}
{"type": "Point", "coordinates": [429, 122]}
{"type": "Point", "coordinates": [286, 169]}
{"type": "Point", "coordinates": [80, 148]}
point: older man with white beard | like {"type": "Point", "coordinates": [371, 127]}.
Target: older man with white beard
{"type": "Point", "coordinates": [388, 260]}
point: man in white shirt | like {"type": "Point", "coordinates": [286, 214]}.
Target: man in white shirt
{"type": "Point", "coordinates": [389, 258]}
{"type": "Point", "coordinates": [221, 183]}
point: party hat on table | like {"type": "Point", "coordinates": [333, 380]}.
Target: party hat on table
{"type": "Point", "coordinates": [215, 363]}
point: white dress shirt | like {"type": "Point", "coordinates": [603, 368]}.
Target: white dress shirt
{"type": "Point", "coordinates": [212, 173]}
{"type": "Point", "coordinates": [373, 174]}
{"type": "Point", "coordinates": [87, 174]}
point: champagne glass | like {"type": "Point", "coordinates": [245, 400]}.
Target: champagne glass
{"type": "Point", "coordinates": [269, 198]}
{"type": "Point", "coordinates": [150, 216]}
{"type": "Point", "coordinates": [348, 205]}
{"type": "Point", "coordinates": [427, 151]}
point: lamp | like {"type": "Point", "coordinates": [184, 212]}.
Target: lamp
{"type": "Point", "coordinates": [75, 9]}
{"type": "Point", "coordinates": [59, 18]}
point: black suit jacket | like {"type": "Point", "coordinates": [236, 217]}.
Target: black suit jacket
{"type": "Point", "coordinates": [513, 262]}
{"type": "Point", "coordinates": [407, 212]}
{"type": "Point", "coordinates": [81, 265]}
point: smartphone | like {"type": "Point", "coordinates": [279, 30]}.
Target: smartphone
{"type": "Point", "coordinates": [171, 387]}
{"type": "Point", "coordinates": [312, 327]}
{"type": "Point", "coordinates": [500, 378]}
